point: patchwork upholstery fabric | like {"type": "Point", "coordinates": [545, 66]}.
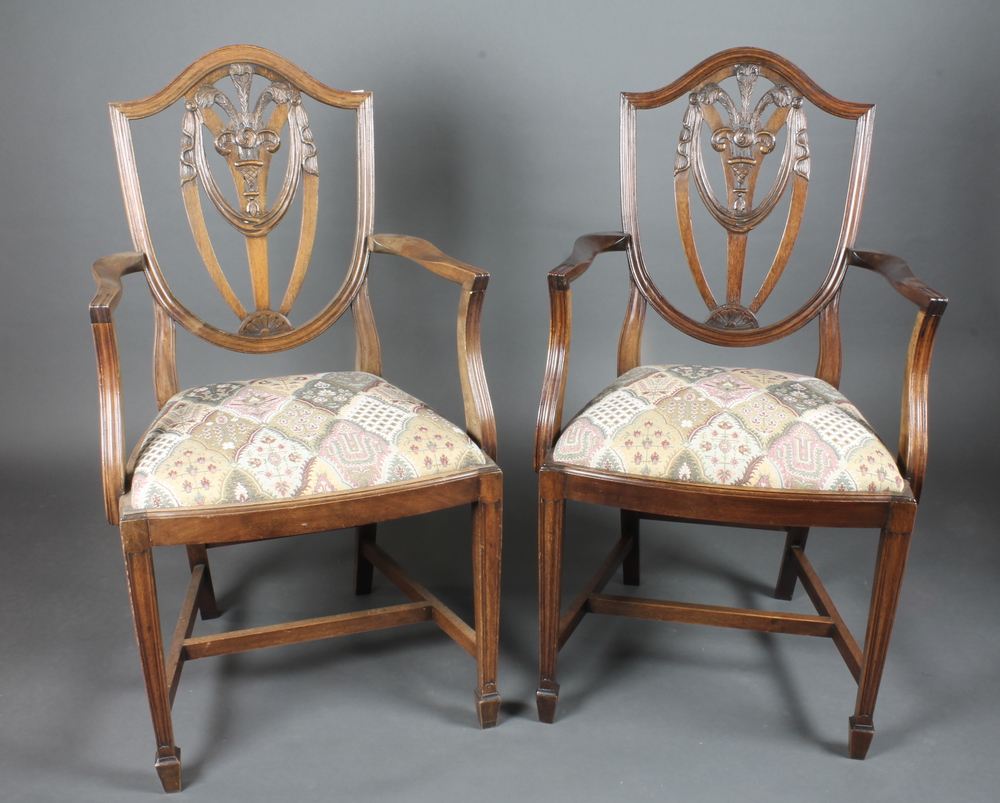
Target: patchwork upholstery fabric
{"type": "Point", "coordinates": [730, 426]}
{"type": "Point", "coordinates": [292, 436]}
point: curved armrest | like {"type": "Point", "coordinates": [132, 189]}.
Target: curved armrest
{"type": "Point", "coordinates": [108, 273]}
{"type": "Point", "coordinates": [912, 457]}
{"type": "Point", "coordinates": [585, 250]}
{"type": "Point", "coordinates": [899, 275]}
{"type": "Point", "coordinates": [426, 254]}
{"type": "Point", "coordinates": [479, 419]}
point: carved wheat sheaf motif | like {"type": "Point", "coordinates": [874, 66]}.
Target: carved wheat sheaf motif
{"type": "Point", "coordinates": [247, 141]}
{"type": "Point", "coordinates": [743, 138]}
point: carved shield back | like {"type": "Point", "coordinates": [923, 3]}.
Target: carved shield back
{"type": "Point", "coordinates": [742, 163]}
{"type": "Point", "coordinates": [249, 171]}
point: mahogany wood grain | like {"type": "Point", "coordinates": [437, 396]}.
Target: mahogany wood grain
{"type": "Point", "coordinates": [241, 523]}
{"type": "Point", "coordinates": [630, 339]}
{"type": "Point", "coordinates": [321, 627]}
{"type": "Point", "coordinates": [890, 565]}
{"type": "Point", "coordinates": [841, 636]}
{"type": "Point", "coordinates": [486, 549]}
{"type": "Point", "coordinates": [146, 618]}
{"type": "Point", "coordinates": [185, 627]}
{"type": "Point", "coordinates": [551, 515]}
{"type": "Point", "coordinates": [198, 559]}
{"type": "Point", "coordinates": [901, 277]}
{"type": "Point", "coordinates": [751, 507]}
{"type": "Point", "coordinates": [460, 632]}
{"type": "Point", "coordinates": [714, 615]}
{"type": "Point", "coordinates": [364, 571]}
{"type": "Point", "coordinates": [796, 537]}
{"type": "Point", "coordinates": [831, 352]}
{"type": "Point", "coordinates": [580, 605]}
{"type": "Point", "coordinates": [368, 355]}
{"type": "Point", "coordinates": [631, 564]}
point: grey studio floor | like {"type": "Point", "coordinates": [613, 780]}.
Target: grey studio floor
{"type": "Point", "coordinates": [648, 711]}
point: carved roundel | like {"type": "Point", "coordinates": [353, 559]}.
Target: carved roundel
{"type": "Point", "coordinates": [264, 322]}
{"type": "Point", "coordinates": [732, 316]}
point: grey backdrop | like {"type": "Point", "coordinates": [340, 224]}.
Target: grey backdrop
{"type": "Point", "coordinates": [496, 138]}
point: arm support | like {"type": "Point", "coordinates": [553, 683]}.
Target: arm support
{"type": "Point", "coordinates": [479, 420]}
{"type": "Point", "coordinates": [585, 250]}
{"type": "Point", "coordinates": [108, 273]}
{"type": "Point", "coordinates": [913, 422]}
{"type": "Point", "coordinates": [898, 274]}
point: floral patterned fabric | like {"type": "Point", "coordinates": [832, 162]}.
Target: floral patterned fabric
{"type": "Point", "coordinates": [284, 437]}
{"type": "Point", "coordinates": [730, 426]}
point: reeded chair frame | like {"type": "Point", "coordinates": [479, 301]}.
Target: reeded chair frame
{"type": "Point", "coordinates": [742, 145]}
{"type": "Point", "coordinates": [247, 141]}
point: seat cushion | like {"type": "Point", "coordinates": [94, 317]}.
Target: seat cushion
{"type": "Point", "coordinates": [730, 426]}
{"type": "Point", "coordinates": [292, 436]}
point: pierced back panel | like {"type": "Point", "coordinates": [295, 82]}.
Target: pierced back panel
{"type": "Point", "coordinates": [745, 125]}
{"type": "Point", "coordinates": [249, 107]}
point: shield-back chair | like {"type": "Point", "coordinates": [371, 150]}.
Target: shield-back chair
{"type": "Point", "coordinates": [745, 447]}
{"type": "Point", "coordinates": [246, 460]}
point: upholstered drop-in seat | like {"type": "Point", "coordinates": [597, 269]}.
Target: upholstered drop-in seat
{"type": "Point", "coordinates": [293, 436]}
{"type": "Point", "coordinates": [730, 426]}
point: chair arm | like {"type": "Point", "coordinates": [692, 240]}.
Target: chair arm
{"type": "Point", "coordinates": [108, 273]}
{"type": "Point", "coordinates": [912, 457]}
{"type": "Point", "coordinates": [899, 275]}
{"type": "Point", "coordinates": [436, 261]}
{"type": "Point", "coordinates": [479, 419]}
{"type": "Point", "coordinates": [585, 250]}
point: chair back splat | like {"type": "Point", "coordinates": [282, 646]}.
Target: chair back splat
{"type": "Point", "coordinates": [741, 116]}
{"type": "Point", "coordinates": [248, 113]}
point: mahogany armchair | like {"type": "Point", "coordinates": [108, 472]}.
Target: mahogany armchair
{"type": "Point", "coordinates": [247, 460]}
{"type": "Point", "coordinates": [744, 447]}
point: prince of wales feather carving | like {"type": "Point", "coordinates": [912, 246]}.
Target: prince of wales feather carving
{"type": "Point", "coordinates": [242, 143]}
{"type": "Point", "coordinates": [743, 143]}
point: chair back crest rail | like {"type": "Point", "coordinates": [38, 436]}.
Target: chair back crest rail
{"type": "Point", "coordinates": [744, 106]}
{"type": "Point", "coordinates": [249, 105]}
